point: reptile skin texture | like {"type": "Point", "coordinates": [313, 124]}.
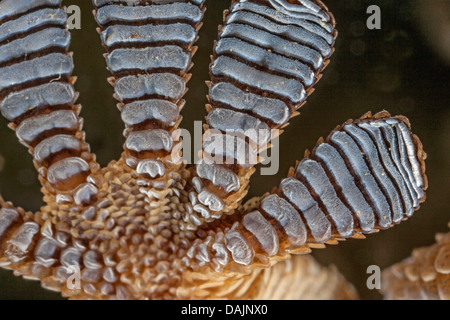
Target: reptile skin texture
{"type": "Point", "coordinates": [423, 276]}
{"type": "Point", "coordinates": [147, 226]}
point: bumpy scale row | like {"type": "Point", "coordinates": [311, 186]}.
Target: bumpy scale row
{"type": "Point", "coordinates": [38, 97]}
{"type": "Point", "coordinates": [423, 276]}
{"type": "Point", "coordinates": [368, 174]}
{"type": "Point", "coordinates": [268, 57]}
{"type": "Point", "coordinates": [150, 50]}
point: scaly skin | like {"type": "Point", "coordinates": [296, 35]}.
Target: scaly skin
{"type": "Point", "coordinates": [423, 276]}
{"type": "Point", "coordinates": [148, 227]}
{"type": "Point", "coordinates": [142, 251]}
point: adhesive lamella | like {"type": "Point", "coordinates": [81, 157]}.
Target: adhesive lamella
{"type": "Point", "coordinates": [146, 225]}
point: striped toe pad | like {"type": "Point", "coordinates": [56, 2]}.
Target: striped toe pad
{"type": "Point", "coordinates": [367, 174]}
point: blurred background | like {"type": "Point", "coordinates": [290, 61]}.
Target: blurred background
{"type": "Point", "coordinates": [403, 68]}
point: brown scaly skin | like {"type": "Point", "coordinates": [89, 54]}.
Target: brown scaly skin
{"type": "Point", "coordinates": [299, 278]}
{"type": "Point", "coordinates": [197, 283]}
{"type": "Point", "coordinates": [145, 243]}
{"type": "Point", "coordinates": [135, 241]}
{"type": "Point", "coordinates": [132, 245]}
{"type": "Point", "coordinates": [423, 276]}
{"type": "Point", "coordinates": [319, 283]}
{"type": "Point", "coordinates": [282, 282]}
{"type": "Point", "coordinates": [124, 227]}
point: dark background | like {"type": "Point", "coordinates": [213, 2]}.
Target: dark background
{"type": "Point", "coordinates": [394, 68]}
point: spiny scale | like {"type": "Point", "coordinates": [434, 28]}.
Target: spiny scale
{"type": "Point", "coordinates": [149, 54]}
{"type": "Point", "coordinates": [38, 97]}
